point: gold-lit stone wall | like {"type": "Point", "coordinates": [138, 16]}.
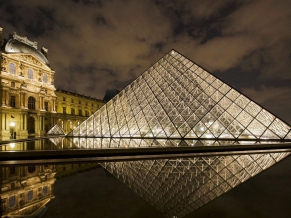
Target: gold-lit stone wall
{"type": "Point", "coordinates": [26, 89]}
{"type": "Point", "coordinates": [30, 105]}
{"type": "Point", "coordinates": [73, 108]}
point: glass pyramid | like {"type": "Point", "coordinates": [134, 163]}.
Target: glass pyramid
{"type": "Point", "coordinates": [175, 98]}
{"type": "Point", "coordinates": [177, 187]}
{"type": "Point", "coordinates": [56, 130]}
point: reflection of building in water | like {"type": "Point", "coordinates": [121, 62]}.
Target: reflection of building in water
{"type": "Point", "coordinates": [29, 102]}
{"type": "Point", "coordinates": [26, 189]}
{"type": "Point", "coordinates": [177, 187]}
{"type": "Point", "coordinates": [74, 168]}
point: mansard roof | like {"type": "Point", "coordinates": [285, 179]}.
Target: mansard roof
{"type": "Point", "coordinates": [17, 44]}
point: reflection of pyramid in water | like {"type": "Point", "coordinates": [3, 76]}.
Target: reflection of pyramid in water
{"type": "Point", "coordinates": [178, 187]}
{"type": "Point", "coordinates": [56, 130]}
{"type": "Point", "coordinates": [176, 98]}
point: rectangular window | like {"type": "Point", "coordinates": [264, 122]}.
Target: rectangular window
{"type": "Point", "coordinates": [92, 105]}
{"type": "Point", "coordinates": [46, 106]}
{"type": "Point", "coordinates": [86, 103]}
{"type": "Point", "coordinates": [73, 111]}
{"type": "Point", "coordinates": [64, 99]}
{"type": "Point", "coordinates": [72, 100]}
{"type": "Point", "coordinates": [12, 101]}
{"type": "Point", "coordinates": [87, 113]}
{"type": "Point", "coordinates": [79, 102]}
{"type": "Point", "coordinates": [12, 185]}
{"type": "Point", "coordinates": [64, 110]}
{"type": "Point", "coordinates": [12, 170]}
{"type": "Point", "coordinates": [13, 84]}
{"type": "Point", "coordinates": [80, 112]}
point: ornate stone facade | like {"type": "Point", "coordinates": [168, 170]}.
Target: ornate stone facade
{"type": "Point", "coordinates": [73, 108]}
{"type": "Point", "coordinates": [28, 96]}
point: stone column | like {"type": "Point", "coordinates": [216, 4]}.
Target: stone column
{"type": "Point", "coordinates": [3, 97]}
{"type": "Point", "coordinates": [7, 97]}
{"type": "Point", "coordinates": [53, 105]}
{"type": "Point", "coordinates": [24, 100]}
{"type": "Point", "coordinates": [25, 121]}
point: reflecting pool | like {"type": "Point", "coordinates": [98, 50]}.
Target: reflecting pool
{"type": "Point", "coordinates": [152, 186]}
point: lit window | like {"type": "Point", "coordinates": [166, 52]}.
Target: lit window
{"type": "Point", "coordinates": [30, 73]}
{"type": "Point", "coordinates": [12, 101]}
{"type": "Point", "coordinates": [12, 68]}
{"type": "Point", "coordinates": [45, 78]}
{"type": "Point", "coordinates": [13, 84]}
{"type": "Point", "coordinates": [31, 103]}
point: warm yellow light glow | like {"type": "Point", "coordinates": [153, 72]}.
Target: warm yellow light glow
{"type": "Point", "coordinates": [12, 145]}
{"type": "Point", "coordinates": [12, 124]}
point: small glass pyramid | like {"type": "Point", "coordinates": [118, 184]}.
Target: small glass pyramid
{"type": "Point", "coordinates": [56, 130]}
{"type": "Point", "coordinates": [175, 98]}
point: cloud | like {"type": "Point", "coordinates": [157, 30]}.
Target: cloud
{"type": "Point", "coordinates": [126, 37]}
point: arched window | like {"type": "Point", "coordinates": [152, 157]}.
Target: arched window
{"type": "Point", "coordinates": [30, 73]}
{"type": "Point", "coordinates": [31, 103]}
{"type": "Point", "coordinates": [12, 68]}
{"type": "Point", "coordinates": [45, 78]}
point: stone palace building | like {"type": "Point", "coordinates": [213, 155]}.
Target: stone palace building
{"type": "Point", "coordinates": [30, 102]}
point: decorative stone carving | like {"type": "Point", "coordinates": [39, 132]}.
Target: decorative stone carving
{"type": "Point", "coordinates": [3, 63]}
{"type": "Point", "coordinates": [13, 91]}
{"type": "Point", "coordinates": [30, 59]}
{"type": "Point", "coordinates": [24, 40]}
{"type": "Point", "coordinates": [23, 85]}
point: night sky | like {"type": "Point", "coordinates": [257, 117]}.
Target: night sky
{"type": "Point", "coordinates": [99, 45]}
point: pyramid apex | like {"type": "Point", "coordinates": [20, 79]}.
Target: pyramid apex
{"type": "Point", "coordinates": [176, 98]}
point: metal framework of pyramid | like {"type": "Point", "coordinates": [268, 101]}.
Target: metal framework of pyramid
{"type": "Point", "coordinates": [175, 98]}
{"type": "Point", "coordinates": [177, 103]}
{"type": "Point", "coordinates": [177, 187]}
{"type": "Point", "coordinates": [56, 130]}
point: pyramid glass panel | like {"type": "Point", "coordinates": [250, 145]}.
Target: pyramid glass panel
{"type": "Point", "coordinates": [56, 130]}
{"type": "Point", "coordinates": [176, 98]}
